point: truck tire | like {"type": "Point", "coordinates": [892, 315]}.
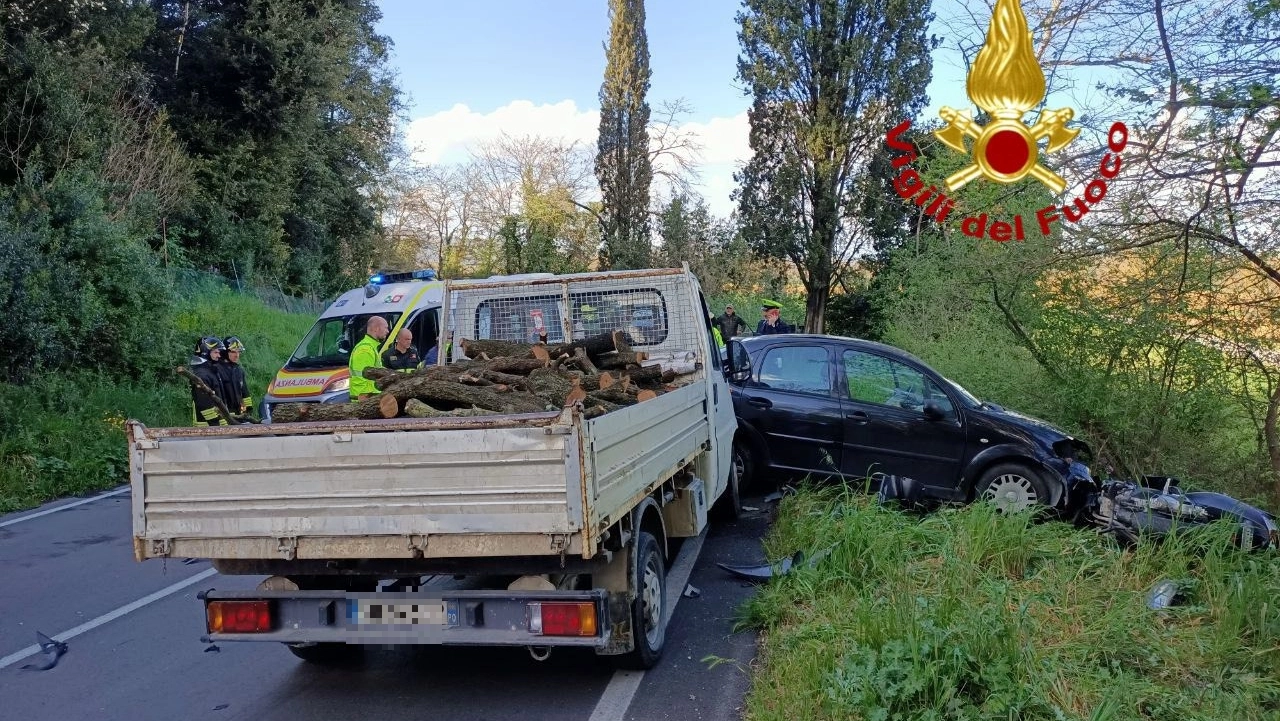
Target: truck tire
{"type": "Point", "coordinates": [1012, 487]}
{"type": "Point", "coordinates": [728, 506]}
{"type": "Point", "coordinates": [648, 610]}
{"type": "Point", "coordinates": [326, 654]}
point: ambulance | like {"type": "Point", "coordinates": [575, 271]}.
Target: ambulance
{"type": "Point", "coordinates": [317, 371]}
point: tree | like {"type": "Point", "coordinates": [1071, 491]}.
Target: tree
{"type": "Point", "coordinates": [624, 168]}
{"type": "Point", "coordinates": [827, 78]}
{"type": "Point", "coordinates": [288, 110]}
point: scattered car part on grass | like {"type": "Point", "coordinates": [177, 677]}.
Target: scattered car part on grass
{"type": "Point", "coordinates": [691, 591]}
{"type": "Point", "coordinates": [764, 572]}
{"type": "Point", "coordinates": [1164, 594]}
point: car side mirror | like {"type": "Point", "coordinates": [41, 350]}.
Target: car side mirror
{"type": "Point", "coordinates": [933, 411]}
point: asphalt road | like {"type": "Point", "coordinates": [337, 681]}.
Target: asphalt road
{"type": "Point", "coordinates": [134, 654]}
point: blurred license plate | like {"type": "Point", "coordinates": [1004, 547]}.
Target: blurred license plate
{"type": "Point", "coordinates": [401, 613]}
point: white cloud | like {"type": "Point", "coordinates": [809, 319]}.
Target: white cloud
{"type": "Point", "coordinates": [447, 137]}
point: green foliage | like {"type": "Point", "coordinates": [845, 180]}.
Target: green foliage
{"type": "Point", "coordinates": [63, 433]}
{"type": "Point", "coordinates": [624, 168]}
{"type": "Point", "coordinates": [827, 80]}
{"type": "Point", "coordinates": [288, 110]}
{"type": "Point", "coordinates": [104, 303]}
{"type": "Point", "coordinates": [971, 614]}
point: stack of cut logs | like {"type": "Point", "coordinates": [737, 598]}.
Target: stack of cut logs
{"type": "Point", "coordinates": [602, 372]}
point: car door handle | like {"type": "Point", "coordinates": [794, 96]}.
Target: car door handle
{"type": "Point", "coordinates": [760, 402]}
{"type": "Point", "coordinates": [859, 417]}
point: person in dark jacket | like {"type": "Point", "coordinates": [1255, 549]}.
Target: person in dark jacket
{"type": "Point", "coordinates": [772, 322]}
{"type": "Point", "coordinates": [204, 365]}
{"type": "Point", "coordinates": [402, 356]}
{"type": "Point", "coordinates": [730, 324]}
{"type": "Point", "coordinates": [235, 386]}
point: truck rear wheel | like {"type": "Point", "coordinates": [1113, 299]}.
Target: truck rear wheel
{"type": "Point", "coordinates": [648, 610]}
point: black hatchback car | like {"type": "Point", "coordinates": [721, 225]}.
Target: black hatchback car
{"type": "Point", "coordinates": [831, 406]}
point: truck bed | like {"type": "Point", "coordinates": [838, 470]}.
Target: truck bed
{"type": "Point", "coordinates": [509, 485]}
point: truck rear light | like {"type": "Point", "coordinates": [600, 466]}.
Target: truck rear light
{"type": "Point", "coordinates": [563, 619]}
{"type": "Point", "coordinates": [238, 616]}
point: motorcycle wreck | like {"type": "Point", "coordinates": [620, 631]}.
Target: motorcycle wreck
{"type": "Point", "coordinates": [1156, 507]}
{"type": "Point", "coordinates": [1151, 508]}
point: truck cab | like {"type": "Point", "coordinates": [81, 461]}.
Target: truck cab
{"type": "Point", "coordinates": [317, 370]}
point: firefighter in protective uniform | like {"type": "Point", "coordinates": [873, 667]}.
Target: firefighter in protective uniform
{"type": "Point", "coordinates": [235, 386]}
{"type": "Point", "coordinates": [204, 365]}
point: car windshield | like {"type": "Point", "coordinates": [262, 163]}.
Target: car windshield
{"type": "Point", "coordinates": [969, 399]}
{"type": "Point", "coordinates": [330, 340]}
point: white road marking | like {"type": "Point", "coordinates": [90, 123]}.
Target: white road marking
{"type": "Point", "coordinates": [111, 616]}
{"type": "Point", "coordinates": [616, 699]}
{"type": "Point", "coordinates": [64, 507]}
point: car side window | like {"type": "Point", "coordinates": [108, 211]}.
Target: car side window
{"type": "Point", "coordinates": [875, 379]}
{"type": "Point", "coordinates": [803, 369]}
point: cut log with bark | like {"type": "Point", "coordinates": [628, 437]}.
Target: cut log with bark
{"type": "Point", "coordinates": [367, 409]}
{"type": "Point", "coordinates": [496, 348]}
{"type": "Point", "coordinates": [521, 366]}
{"type": "Point", "coordinates": [389, 405]}
{"type": "Point", "coordinates": [415, 408]}
{"type": "Point", "coordinates": [550, 385]}
{"type": "Point", "coordinates": [376, 373]}
{"type": "Point", "coordinates": [453, 394]}
{"type": "Point", "coordinates": [616, 396]}
{"type": "Point", "coordinates": [576, 395]}
{"type": "Point", "coordinates": [646, 396]}
{"type": "Point", "coordinates": [646, 375]}
{"type": "Point", "coordinates": [594, 346]}
{"type": "Point", "coordinates": [623, 359]}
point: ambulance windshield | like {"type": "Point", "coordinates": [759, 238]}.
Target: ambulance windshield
{"type": "Point", "coordinates": [329, 342]}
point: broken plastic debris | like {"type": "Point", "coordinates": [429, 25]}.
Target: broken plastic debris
{"type": "Point", "coordinates": [781, 568]}
{"type": "Point", "coordinates": [691, 591]}
{"type": "Point", "coordinates": [1164, 594]}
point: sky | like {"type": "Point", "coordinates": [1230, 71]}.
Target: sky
{"type": "Point", "coordinates": [473, 70]}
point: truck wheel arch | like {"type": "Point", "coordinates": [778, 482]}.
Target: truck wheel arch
{"type": "Point", "coordinates": [648, 517]}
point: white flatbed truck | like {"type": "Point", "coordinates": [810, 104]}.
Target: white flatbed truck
{"type": "Point", "coordinates": [558, 524]}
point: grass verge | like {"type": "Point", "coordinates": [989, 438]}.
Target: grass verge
{"type": "Point", "coordinates": [967, 614]}
{"type": "Point", "coordinates": [64, 433]}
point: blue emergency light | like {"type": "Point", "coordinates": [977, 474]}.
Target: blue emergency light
{"type": "Point", "coordinates": [384, 277]}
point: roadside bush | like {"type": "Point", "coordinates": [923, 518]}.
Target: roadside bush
{"type": "Point", "coordinates": [62, 433]}
{"type": "Point", "coordinates": [78, 290]}
{"type": "Point", "coordinates": [970, 614]}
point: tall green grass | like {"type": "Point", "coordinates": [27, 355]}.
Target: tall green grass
{"type": "Point", "coordinates": [969, 614]}
{"type": "Point", "coordinates": [64, 433]}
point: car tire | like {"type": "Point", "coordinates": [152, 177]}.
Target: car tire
{"type": "Point", "coordinates": [648, 610]}
{"type": "Point", "coordinates": [1012, 487]}
{"type": "Point", "coordinates": [744, 461]}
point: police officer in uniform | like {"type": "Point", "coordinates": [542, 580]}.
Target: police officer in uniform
{"type": "Point", "coordinates": [402, 356]}
{"type": "Point", "coordinates": [772, 322]}
{"type": "Point", "coordinates": [204, 365]}
{"type": "Point", "coordinates": [235, 386]}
